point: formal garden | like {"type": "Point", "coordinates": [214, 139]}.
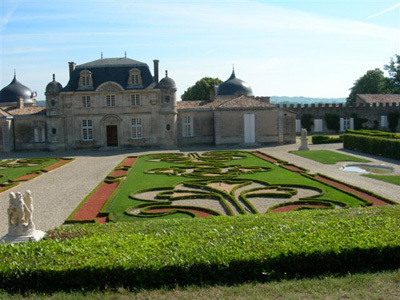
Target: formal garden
{"type": "Point", "coordinates": [223, 218]}
{"type": "Point", "coordinates": [223, 183]}
{"type": "Point", "coordinates": [13, 171]}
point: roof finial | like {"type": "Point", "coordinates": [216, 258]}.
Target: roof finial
{"type": "Point", "coordinates": [54, 77]}
{"type": "Point", "coordinates": [166, 73]}
{"type": "Point", "coordinates": [15, 73]}
{"type": "Point", "coordinates": [125, 54]}
{"type": "Point", "coordinates": [101, 54]}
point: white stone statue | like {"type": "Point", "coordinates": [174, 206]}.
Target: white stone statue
{"type": "Point", "coordinates": [303, 140]}
{"type": "Point", "coordinates": [20, 219]}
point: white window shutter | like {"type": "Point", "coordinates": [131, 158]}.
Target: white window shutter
{"type": "Point", "coordinates": [352, 123]}
{"type": "Point", "coordinates": [341, 124]}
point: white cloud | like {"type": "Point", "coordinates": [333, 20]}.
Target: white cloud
{"type": "Point", "coordinates": [384, 11]}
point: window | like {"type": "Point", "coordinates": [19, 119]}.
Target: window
{"type": "Point", "coordinates": [134, 77]}
{"type": "Point", "coordinates": [346, 123]}
{"type": "Point", "coordinates": [136, 128]}
{"type": "Point", "coordinates": [135, 99]}
{"type": "Point", "coordinates": [110, 100]}
{"type": "Point", "coordinates": [85, 80]}
{"type": "Point", "coordinates": [187, 130]}
{"type": "Point", "coordinates": [87, 130]}
{"type": "Point", "coordinates": [167, 99]}
{"type": "Point", "coordinates": [39, 135]}
{"type": "Point", "coordinates": [86, 101]}
{"type": "Point", "coordinates": [384, 121]}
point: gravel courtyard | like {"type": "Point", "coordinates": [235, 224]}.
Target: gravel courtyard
{"type": "Point", "coordinates": [57, 193]}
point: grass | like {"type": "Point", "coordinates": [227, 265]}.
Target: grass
{"type": "Point", "coordinates": [327, 156]}
{"type": "Point", "coordinates": [394, 179]}
{"type": "Point", "coordinates": [138, 180]}
{"type": "Point", "coordinates": [380, 285]}
{"type": "Point", "coordinates": [13, 173]}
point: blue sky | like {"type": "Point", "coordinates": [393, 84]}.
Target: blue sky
{"type": "Point", "coordinates": [281, 48]}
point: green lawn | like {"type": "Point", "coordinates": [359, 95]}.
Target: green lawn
{"type": "Point", "coordinates": [380, 285]}
{"type": "Point", "coordinates": [138, 179]}
{"type": "Point", "coordinates": [22, 168]}
{"type": "Point", "coordinates": [395, 179]}
{"type": "Point", "coordinates": [328, 157]}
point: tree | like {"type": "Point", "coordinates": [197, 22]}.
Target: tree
{"type": "Point", "coordinates": [393, 118]}
{"type": "Point", "coordinates": [393, 68]}
{"type": "Point", "coordinates": [373, 82]}
{"type": "Point", "coordinates": [332, 121]}
{"type": "Point", "coordinates": [201, 90]}
{"type": "Point", "coordinates": [307, 120]}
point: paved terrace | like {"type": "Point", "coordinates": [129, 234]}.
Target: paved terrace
{"type": "Point", "coordinates": [57, 193]}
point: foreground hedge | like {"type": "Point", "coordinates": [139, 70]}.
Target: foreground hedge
{"type": "Point", "coordinates": [389, 148]}
{"type": "Point", "coordinates": [200, 251]}
{"type": "Point", "coordinates": [376, 133]}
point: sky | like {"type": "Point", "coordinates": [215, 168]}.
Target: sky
{"type": "Point", "coordinates": [310, 48]}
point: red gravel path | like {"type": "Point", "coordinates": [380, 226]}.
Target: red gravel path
{"type": "Point", "coordinates": [265, 157]}
{"type": "Point", "coordinates": [118, 173]}
{"type": "Point", "coordinates": [26, 177]}
{"type": "Point", "coordinates": [94, 204]}
{"type": "Point", "coordinates": [292, 168]}
{"type": "Point", "coordinates": [128, 162]}
{"type": "Point", "coordinates": [56, 165]}
{"type": "Point", "coordinates": [199, 213]}
{"type": "Point", "coordinates": [294, 206]}
{"type": "Point", "coordinates": [374, 200]}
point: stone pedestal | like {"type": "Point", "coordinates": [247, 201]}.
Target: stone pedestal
{"type": "Point", "coordinates": [35, 236]}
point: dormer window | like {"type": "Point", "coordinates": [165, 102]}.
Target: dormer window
{"type": "Point", "coordinates": [134, 77]}
{"type": "Point", "coordinates": [85, 79]}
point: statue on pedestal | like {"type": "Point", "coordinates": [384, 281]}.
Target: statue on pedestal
{"type": "Point", "coordinates": [20, 219]}
{"type": "Point", "coordinates": [303, 141]}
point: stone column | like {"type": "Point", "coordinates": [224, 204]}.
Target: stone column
{"type": "Point", "coordinates": [217, 124]}
{"type": "Point", "coordinates": [7, 135]}
{"type": "Point", "coordinates": [280, 127]}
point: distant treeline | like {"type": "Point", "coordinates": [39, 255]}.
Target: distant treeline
{"type": "Point", "coordinates": [301, 100]}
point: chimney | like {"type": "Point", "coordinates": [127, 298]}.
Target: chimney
{"type": "Point", "coordinates": [21, 102]}
{"type": "Point", "coordinates": [156, 61]}
{"type": "Point", "coordinates": [71, 68]}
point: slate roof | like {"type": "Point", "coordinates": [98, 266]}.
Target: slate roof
{"type": "Point", "coordinates": [234, 86]}
{"type": "Point", "coordinates": [111, 69]}
{"type": "Point", "coordinates": [15, 90]}
{"type": "Point", "coordinates": [241, 102]}
{"type": "Point", "coordinates": [378, 98]}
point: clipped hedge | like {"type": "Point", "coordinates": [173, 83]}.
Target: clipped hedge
{"type": "Point", "coordinates": [372, 145]}
{"type": "Point", "coordinates": [375, 133]}
{"type": "Point", "coordinates": [325, 139]}
{"type": "Point", "coordinates": [219, 250]}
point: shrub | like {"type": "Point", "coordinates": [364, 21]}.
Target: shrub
{"type": "Point", "coordinates": [325, 139]}
{"type": "Point", "coordinates": [332, 122]}
{"type": "Point", "coordinates": [393, 120]}
{"type": "Point", "coordinates": [307, 120]}
{"type": "Point", "coordinates": [372, 145]}
{"type": "Point", "coordinates": [223, 250]}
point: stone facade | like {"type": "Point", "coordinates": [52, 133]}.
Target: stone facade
{"type": "Point", "coordinates": [374, 115]}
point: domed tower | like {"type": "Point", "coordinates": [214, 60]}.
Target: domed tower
{"type": "Point", "coordinates": [54, 114]}
{"type": "Point", "coordinates": [16, 92]}
{"type": "Point", "coordinates": [234, 87]}
{"type": "Point", "coordinates": [168, 112]}
{"type": "Point", "coordinates": [52, 92]}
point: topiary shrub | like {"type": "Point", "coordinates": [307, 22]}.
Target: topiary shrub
{"type": "Point", "coordinates": [307, 120]}
{"type": "Point", "coordinates": [393, 119]}
{"type": "Point", "coordinates": [332, 122]}
{"type": "Point", "coordinates": [325, 139]}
